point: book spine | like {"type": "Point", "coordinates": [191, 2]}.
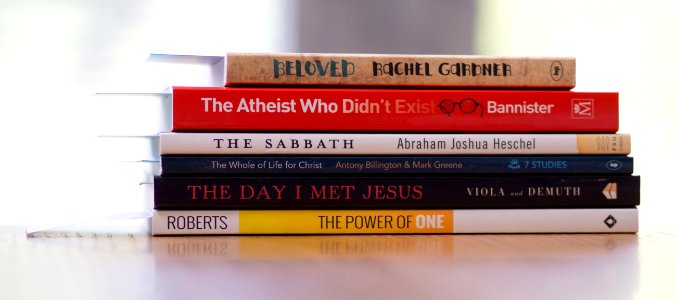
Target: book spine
{"type": "Point", "coordinates": [393, 144]}
{"type": "Point", "coordinates": [572, 164]}
{"type": "Point", "coordinates": [400, 70]}
{"type": "Point", "coordinates": [395, 192]}
{"type": "Point", "coordinates": [355, 110]}
{"type": "Point", "coordinates": [222, 222]}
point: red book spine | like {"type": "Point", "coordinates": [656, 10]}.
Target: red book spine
{"type": "Point", "coordinates": [351, 110]}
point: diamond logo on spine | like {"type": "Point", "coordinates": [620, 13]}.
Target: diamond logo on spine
{"type": "Point", "coordinates": [610, 221]}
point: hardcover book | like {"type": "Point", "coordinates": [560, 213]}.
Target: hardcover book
{"type": "Point", "coordinates": [396, 192]}
{"type": "Point", "coordinates": [399, 70]}
{"type": "Point", "coordinates": [232, 164]}
{"type": "Point", "coordinates": [224, 222]}
{"type": "Point", "coordinates": [356, 110]}
{"type": "Point", "coordinates": [392, 144]}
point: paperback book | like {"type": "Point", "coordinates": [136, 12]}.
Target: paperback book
{"type": "Point", "coordinates": [231, 222]}
{"type": "Point", "coordinates": [392, 144]}
{"type": "Point", "coordinates": [399, 70]}
{"type": "Point", "coordinates": [233, 164]}
{"type": "Point", "coordinates": [395, 192]}
{"type": "Point", "coordinates": [400, 110]}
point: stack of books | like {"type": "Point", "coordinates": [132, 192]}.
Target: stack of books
{"type": "Point", "coordinates": [388, 144]}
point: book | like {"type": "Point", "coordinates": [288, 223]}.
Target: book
{"type": "Point", "coordinates": [392, 144]}
{"type": "Point", "coordinates": [145, 113]}
{"type": "Point", "coordinates": [232, 222]}
{"type": "Point", "coordinates": [230, 164]}
{"type": "Point", "coordinates": [326, 69]}
{"type": "Point", "coordinates": [356, 110]}
{"type": "Point", "coordinates": [349, 191]}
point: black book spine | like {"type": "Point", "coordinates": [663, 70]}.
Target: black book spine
{"type": "Point", "coordinates": [571, 164]}
{"type": "Point", "coordinates": [396, 192]}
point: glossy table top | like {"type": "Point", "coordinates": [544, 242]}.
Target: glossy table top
{"type": "Point", "coordinates": [524, 266]}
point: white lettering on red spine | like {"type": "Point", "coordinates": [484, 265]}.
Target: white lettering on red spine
{"type": "Point", "coordinates": [519, 108]}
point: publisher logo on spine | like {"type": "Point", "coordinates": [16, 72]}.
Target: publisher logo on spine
{"type": "Point", "coordinates": [556, 70]}
{"type": "Point", "coordinates": [614, 165]}
{"type": "Point", "coordinates": [582, 109]}
{"type": "Point", "coordinates": [610, 221]}
{"type": "Point", "coordinates": [610, 191]}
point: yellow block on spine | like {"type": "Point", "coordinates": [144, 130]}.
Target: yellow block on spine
{"type": "Point", "coordinates": [345, 221]}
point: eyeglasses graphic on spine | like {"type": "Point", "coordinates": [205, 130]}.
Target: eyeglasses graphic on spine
{"type": "Point", "coordinates": [467, 106]}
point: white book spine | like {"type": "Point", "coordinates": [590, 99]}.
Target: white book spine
{"type": "Point", "coordinates": [203, 222]}
{"type": "Point", "coordinates": [392, 144]}
{"type": "Point", "coordinates": [573, 220]}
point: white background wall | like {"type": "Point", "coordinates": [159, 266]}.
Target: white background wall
{"type": "Point", "coordinates": [54, 54]}
{"type": "Point", "coordinates": [625, 46]}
